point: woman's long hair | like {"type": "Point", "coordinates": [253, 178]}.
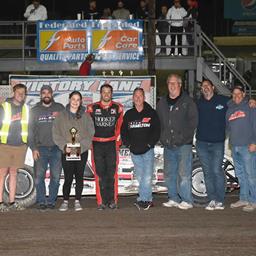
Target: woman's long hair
{"type": "Point", "coordinates": [78, 112]}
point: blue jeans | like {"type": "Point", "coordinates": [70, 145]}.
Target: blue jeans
{"type": "Point", "coordinates": [51, 156]}
{"type": "Point", "coordinates": [144, 167]}
{"type": "Point", "coordinates": [244, 162]}
{"type": "Point", "coordinates": [178, 173]}
{"type": "Point", "coordinates": [211, 158]}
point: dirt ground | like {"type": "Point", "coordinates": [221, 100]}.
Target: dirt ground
{"type": "Point", "coordinates": [128, 231]}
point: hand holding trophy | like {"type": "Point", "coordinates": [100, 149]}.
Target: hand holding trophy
{"type": "Point", "coordinates": [73, 149]}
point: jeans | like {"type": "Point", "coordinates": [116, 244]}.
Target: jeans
{"type": "Point", "coordinates": [244, 162]}
{"type": "Point", "coordinates": [178, 173]}
{"type": "Point", "coordinates": [179, 39]}
{"type": "Point", "coordinates": [51, 156]}
{"type": "Point", "coordinates": [211, 158]}
{"type": "Point", "coordinates": [144, 167]}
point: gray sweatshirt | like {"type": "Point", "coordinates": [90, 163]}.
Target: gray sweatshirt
{"type": "Point", "coordinates": [40, 124]}
{"type": "Point", "coordinates": [241, 123]}
{"type": "Point", "coordinates": [65, 121]}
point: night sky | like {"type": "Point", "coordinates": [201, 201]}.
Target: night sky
{"type": "Point", "coordinates": [210, 11]}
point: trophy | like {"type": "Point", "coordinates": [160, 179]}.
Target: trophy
{"type": "Point", "coordinates": [75, 153]}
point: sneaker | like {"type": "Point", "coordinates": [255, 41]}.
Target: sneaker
{"type": "Point", "coordinates": [171, 203]}
{"type": "Point", "coordinates": [185, 206]}
{"type": "Point", "coordinates": [3, 207]}
{"type": "Point", "coordinates": [41, 207]}
{"type": "Point", "coordinates": [219, 206]}
{"type": "Point", "coordinates": [147, 205]}
{"type": "Point", "coordinates": [15, 207]}
{"type": "Point", "coordinates": [250, 207]}
{"type": "Point", "coordinates": [210, 206]}
{"type": "Point", "coordinates": [77, 206]}
{"type": "Point", "coordinates": [64, 206]}
{"type": "Point", "coordinates": [112, 206]}
{"type": "Point", "coordinates": [239, 203]}
{"type": "Point", "coordinates": [51, 206]}
{"type": "Point", "coordinates": [138, 204]}
{"type": "Point", "coordinates": [101, 207]}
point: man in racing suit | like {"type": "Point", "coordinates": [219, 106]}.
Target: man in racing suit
{"type": "Point", "coordinates": [107, 116]}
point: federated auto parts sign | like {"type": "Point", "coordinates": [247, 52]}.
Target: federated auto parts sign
{"type": "Point", "coordinates": [72, 40]}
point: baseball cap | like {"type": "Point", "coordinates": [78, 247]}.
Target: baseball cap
{"type": "Point", "coordinates": [46, 87]}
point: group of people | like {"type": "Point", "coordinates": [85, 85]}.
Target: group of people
{"type": "Point", "coordinates": [37, 11]}
{"type": "Point", "coordinates": [175, 20]}
{"type": "Point", "coordinates": [49, 128]}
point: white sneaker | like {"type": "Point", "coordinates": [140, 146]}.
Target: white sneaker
{"type": "Point", "coordinates": [64, 206]}
{"type": "Point", "coordinates": [219, 206]}
{"type": "Point", "coordinates": [210, 206]}
{"type": "Point", "coordinates": [77, 206]}
{"type": "Point", "coordinates": [239, 203]}
{"type": "Point", "coordinates": [185, 206]}
{"type": "Point", "coordinates": [171, 203]}
{"type": "Point", "coordinates": [250, 207]}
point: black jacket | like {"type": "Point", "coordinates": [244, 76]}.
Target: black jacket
{"type": "Point", "coordinates": [140, 130]}
{"type": "Point", "coordinates": [179, 122]}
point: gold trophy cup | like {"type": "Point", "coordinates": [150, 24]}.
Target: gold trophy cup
{"type": "Point", "coordinates": [75, 154]}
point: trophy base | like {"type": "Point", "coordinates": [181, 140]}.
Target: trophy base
{"type": "Point", "coordinates": [75, 154]}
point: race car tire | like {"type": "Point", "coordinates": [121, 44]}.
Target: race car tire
{"type": "Point", "coordinates": [198, 185]}
{"type": "Point", "coordinates": [25, 191]}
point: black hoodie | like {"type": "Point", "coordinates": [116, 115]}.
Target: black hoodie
{"type": "Point", "coordinates": [140, 130]}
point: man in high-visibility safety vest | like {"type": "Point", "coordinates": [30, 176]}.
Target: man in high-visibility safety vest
{"type": "Point", "coordinates": [14, 115]}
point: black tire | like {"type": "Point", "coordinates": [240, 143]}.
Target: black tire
{"type": "Point", "coordinates": [25, 191]}
{"type": "Point", "coordinates": [198, 184]}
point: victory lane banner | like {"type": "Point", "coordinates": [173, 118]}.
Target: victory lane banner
{"type": "Point", "coordinates": [89, 87]}
{"type": "Point", "coordinates": [72, 40]}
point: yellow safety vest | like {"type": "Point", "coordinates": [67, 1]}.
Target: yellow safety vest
{"type": "Point", "coordinates": [7, 121]}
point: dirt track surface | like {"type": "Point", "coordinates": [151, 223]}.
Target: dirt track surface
{"type": "Point", "coordinates": [127, 231]}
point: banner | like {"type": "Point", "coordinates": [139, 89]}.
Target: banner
{"type": "Point", "coordinates": [240, 9]}
{"type": "Point", "coordinates": [89, 87]}
{"type": "Point", "coordinates": [72, 40]}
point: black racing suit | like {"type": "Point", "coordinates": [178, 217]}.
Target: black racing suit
{"type": "Point", "coordinates": [107, 121]}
